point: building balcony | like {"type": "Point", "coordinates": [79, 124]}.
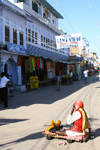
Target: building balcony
{"type": "Point", "coordinates": [37, 16]}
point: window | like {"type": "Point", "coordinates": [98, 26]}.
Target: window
{"type": "Point", "coordinates": [35, 37]}
{"type": "Point", "coordinates": [53, 21]}
{"type": "Point", "coordinates": [34, 7]}
{"type": "Point", "coordinates": [7, 34]}
{"type": "Point", "coordinates": [21, 38]}
{"type": "Point", "coordinates": [29, 35]}
{"type": "Point", "coordinates": [24, 1]}
{"type": "Point", "coordinates": [14, 36]}
{"type": "Point", "coordinates": [44, 41]}
{"type": "Point", "coordinates": [54, 45]}
{"type": "Point", "coordinates": [48, 43]}
{"type": "Point", "coordinates": [41, 40]}
{"type": "Point", "coordinates": [45, 14]}
{"type": "Point", "coordinates": [20, 1]}
{"type": "Point", "coordinates": [51, 44]}
{"type": "Point", "coordinates": [49, 16]}
{"type": "Point", "coordinates": [32, 36]}
{"type": "Point", "coordinates": [39, 9]}
{"type": "Point", "coordinates": [26, 34]}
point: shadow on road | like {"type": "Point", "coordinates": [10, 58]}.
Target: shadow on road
{"type": "Point", "coordinates": [96, 133]}
{"type": "Point", "coordinates": [6, 121]}
{"type": "Point", "coordinates": [47, 95]}
{"type": "Point", "coordinates": [93, 119]}
{"type": "Point", "coordinates": [32, 136]}
{"type": "Point", "coordinates": [39, 135]}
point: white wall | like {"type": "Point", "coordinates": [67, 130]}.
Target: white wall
{"type": "Point", "coordinates": [20, 24]}
{"type": "Point", "coordinates": [11, 61]}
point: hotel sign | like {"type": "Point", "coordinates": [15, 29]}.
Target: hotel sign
{"type": "Point", "coordinates": [15, 48]}
{"type": "Point", "coordinates": [66, 41]}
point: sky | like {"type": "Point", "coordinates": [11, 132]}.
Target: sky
{"type": "Point", "coordinates": [80, 16]}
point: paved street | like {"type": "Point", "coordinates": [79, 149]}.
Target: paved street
{"type": "Point", "coordinates": [28, 114]}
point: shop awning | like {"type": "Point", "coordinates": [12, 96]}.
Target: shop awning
{"type": "Point", "coordinates": [38, 52]}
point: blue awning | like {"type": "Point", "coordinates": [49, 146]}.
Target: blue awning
{"type": "Point", "coordinates": [38, 52]}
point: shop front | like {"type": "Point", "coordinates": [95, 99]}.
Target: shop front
{"type": "Point", "coordinates": [11, 65]}
{"type": "Point", "coordinates": [44, 69]}
{"type": "Point", "coordinates": [47, 63]}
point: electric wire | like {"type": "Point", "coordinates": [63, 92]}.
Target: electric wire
{"type": "Point", "coordinates": [65, 27]}
{"type": "Point", "coordinates": [47, 10]}
{"type": "Point", "coordinates": [94, 15]}
{"type": "Point", "coordinates": [39, 3]}
{"type": "Point", "coordinates": [65, 16]}
{"type": "Point", "coordinates": [40, 40]}
{"type": "Point", "coordinates": [67, 20]}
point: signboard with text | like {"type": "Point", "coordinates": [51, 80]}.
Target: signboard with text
{"type": "Point", "coordinates": [15, 48]}
{"type": "Point", "coordinates": [66, 41]}
{"type": "Point", "coordinates": [34, 82]}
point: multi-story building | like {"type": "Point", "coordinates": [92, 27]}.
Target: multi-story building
{"type": "Point", "coordinates": [74, 51]}
{"type": "Point", "coordinates": [28, 28]}
{"type": "Point", "coordinates": [93, 55]}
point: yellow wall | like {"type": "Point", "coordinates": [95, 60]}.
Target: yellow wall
{"type": "Point", "coordinates": [74, 50]}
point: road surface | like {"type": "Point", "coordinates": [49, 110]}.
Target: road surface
{"type": "Point", "coordinates": [28, 114]}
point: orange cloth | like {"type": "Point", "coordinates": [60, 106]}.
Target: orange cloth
{"type": "Point", "coordinates": [47, 66]}
{"type": "Point", "coordinates": [53, 65]}
{"type": "Point", "coordinates": [50, 67]}
{"type": "Point", "coordinates": [42, 65]}
{"type": "Point", "coordinates": [19, 62]}
{"type": "Point", "coordinates": [70, 68]}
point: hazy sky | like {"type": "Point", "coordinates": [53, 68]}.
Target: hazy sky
{"type": "Point", "coordinates": [80, 16]}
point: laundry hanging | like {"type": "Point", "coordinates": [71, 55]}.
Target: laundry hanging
{"type": "Point", "coordinates": [33, 58]}
{"type": "Point", "coordinates": [19, 62]}
{"type": "Point", "coordinates": [37, 63]}
{"type": "Point", "coordinates": [42, 65]}
{"type": "Point", "coordinates": [28, 66]}
{"type": "Point", "coordinates": [33, 65]}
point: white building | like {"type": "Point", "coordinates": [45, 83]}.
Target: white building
{"type": "Point", "coordinates": [28, 28]}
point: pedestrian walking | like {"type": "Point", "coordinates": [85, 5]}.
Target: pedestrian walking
{"type": "Point", "coordinates": [3, 89]}
{"type": "Point", "coordinates": [85, 72]}
{"type": "Point", "coordinates": [71, 77]}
